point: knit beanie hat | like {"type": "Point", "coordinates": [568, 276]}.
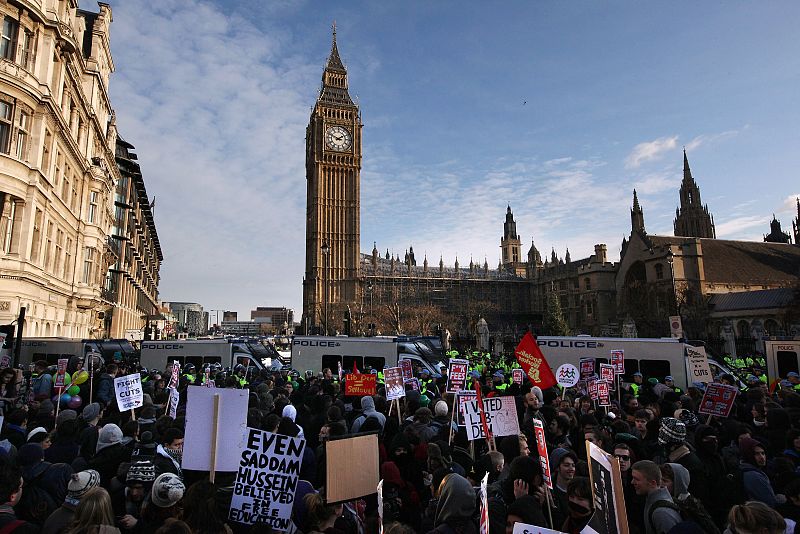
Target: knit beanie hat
{"type": "Point", "coordinates": [91, 412]}
{"type": "Point", "coordinates": [66, 415]}
{"type": "Point", "coordinates": [440, 408]}
{"type": "Point", "coordinates": [687, 417]}
{"type": "Point", "coordinates": [671, 431]}
{"type": "Point", "coordinates": [167, 490]}
{"type": "Point", "coordinates": [109, 435]}
{"type": "Point", "coordinates": [45, 407]}
{"type": "Point", "coordinates": [141, 472]}
{"type": "Point", "coordinates": [80, 483]}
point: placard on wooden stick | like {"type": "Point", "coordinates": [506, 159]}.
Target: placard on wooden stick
{"type": "Point", "coordinates": [352, 468]}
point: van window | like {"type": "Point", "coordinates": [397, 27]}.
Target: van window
{"type": "Point", "coordinates": [247, 361]}
{"type": "Point", "coordinates": [655, 368]}
{"type": "Point", "coordinates": [331, 361]}
{"type": "Point", "coordinates": [375, 362]}
{"type": "Point", "coordinates": [787, 362]}
{"type": "Point", "coordinates": [212, 359]}
{"type": "Point", "coordinates": [196, 360]}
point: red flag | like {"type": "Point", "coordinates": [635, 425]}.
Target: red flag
{"type": "Point", "coordinates": [355, 369]}
{"type": "Point", "coordinates": [534, 363]}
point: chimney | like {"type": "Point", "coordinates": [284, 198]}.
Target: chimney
{"type": "Point", "coordinates": [600, 253]}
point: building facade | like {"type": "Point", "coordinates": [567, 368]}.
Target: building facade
{"type": "Point", "coordinates": [189, 318]}
{"type": "Point", "coordinates": [57, 167]}
{"type": "Point", "coordinates": [273, 319]}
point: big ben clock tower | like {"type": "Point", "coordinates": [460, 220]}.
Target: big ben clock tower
{"type": "Point", "coordinates": [333, 183]}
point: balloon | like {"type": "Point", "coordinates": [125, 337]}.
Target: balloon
{"type": "Point", "coordinates": [75, 402]}
{"type": "Point", "coordinates": [74, 390]}
{"type": "Point", "coordinates": [65, 398]}
{"type": "Point", "coordinates": [81, 377]}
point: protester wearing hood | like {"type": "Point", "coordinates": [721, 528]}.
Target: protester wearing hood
{"type": "Point", "coordinates": [524, 479]}
{"type": "Point", "coordinates": [15, 429]}
{"type": "Point", "coordinates": [45, 484]}
{"type": "Point", "coordinates": [64, 447]}
{"type": "Point", "coordinates": [672, 435]}
{"type": "Point", "coordinates": [410, 506]}
{"type": "Point", "coordinates": [706, 441]}
{"type": "Point", "coordinates": [757, 486]}
{"type": "Point", "coordinates": [290, 412]}
{"type": "Point", "coordinates": [79, 484]}
{"type": "Point", "coordinates": [89, 419]}
{"type": "Point", "coordinates": [562, 465]}
{"type": "Point", "coordinates": [647, 482]}
{"type": "Point", "coordinates": [455, 509]}
{"type": "Point", "coordinates": [421, 425]}
{"type": "Point", "coordinates": [367, 410]}
{"type": "Point", "coordinates": [110, 453]}
{"type": "Point", "coordinates": [105, 385]}
{"type": "Point", "coordinates": [169, 454]}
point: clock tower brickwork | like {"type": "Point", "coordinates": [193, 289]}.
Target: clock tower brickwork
{"type": "Point", "coordinates": [333, 182]}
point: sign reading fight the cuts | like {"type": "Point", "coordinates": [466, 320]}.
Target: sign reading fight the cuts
{"type": "Point", "coordinates": [129, 391]}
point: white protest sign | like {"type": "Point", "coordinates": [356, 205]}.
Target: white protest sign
{"type": "Point", "coordinates": [266, 481]}
{"type": "Point", "coordinates": [199, 418]}
{"type": "Point", "coordinates": [501, 416]}
{"type": "Point", "coordinates": [129, 391]}
{"type": "Point", "coordinates": [484, 508]}
{"type": "Point", "coordinates": [567, 375]}
{"type": "Point", "coordinates": [523, 528]}
{"type": "Point", "coordinates": [699, 370]}
{"type": "Point", "coordinates": [174, 397]}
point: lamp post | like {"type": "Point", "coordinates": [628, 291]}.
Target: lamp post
{"type": "Point", "coordinates": [671, 261]}
{"type": "Point", "coordinates": [326, 250]}
{"type": "Point", "coordinates": [371, 316]}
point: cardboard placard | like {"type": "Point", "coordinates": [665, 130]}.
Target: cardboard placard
{"type": "Point", "coordinates": [413, 382]}
{"type": "Point", "coordinates": [587, 367]}
{"type": "Point", "coordinates": [463, 398]}
{"type": "Point", "coordinates": [718, 400]}
{"type": "Point", "coordinates": [266, 481]}
{"type": "Point", "coordinates": [567, 375]}
{"type": "Point", "coordinates": [351, 468]}
{"type": "Point", "coordinates": [517, 375]}
{"type": "Point", "coordinates": [174, 375]}
{"type": "Point", "coordinates": [360, 384]}
{"type": "Point", "coordinates": [199, 434]}
{"type": "Point", "coordinates": [607, 373]}
{"type": "Point", "coordinates": [618, 361]}
{"type": "Point", "coordinates": [699, 370]}
{"type": "Point", "coordinates": [59, 382]}
{"type": "Point", "coordinates": [174, 398]}
{"type": "Point", "coordinates": [408, 369]}
{"type": "Point", "coordinates": [501, 416]}
{"type": "Point", "coordinates": [609, 502]}
{"type": "Point", "coordinates": [603, 396]}
{"type": "Point", "coordinates": [129, 391]}
{"type": "Point", "coordinates": [457, 375]}
{"type": "Point", "coordinates": [541, 446]}
{"type": "Point", "coordinates": [393, 379]}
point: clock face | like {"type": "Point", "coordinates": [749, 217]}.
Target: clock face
{"type": "Point", "coordinates": [338, 138]}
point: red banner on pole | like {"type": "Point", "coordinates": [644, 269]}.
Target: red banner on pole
{"type": "Point", "coordinates": [533, 362]}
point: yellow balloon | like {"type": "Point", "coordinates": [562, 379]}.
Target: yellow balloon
{"type": "Point", "coordinates": [81, 377]}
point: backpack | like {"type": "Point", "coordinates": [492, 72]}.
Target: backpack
{"type": "Point", "coordinates": [690, 509]}
{"type": "Point", "coordinates": [36, 504]}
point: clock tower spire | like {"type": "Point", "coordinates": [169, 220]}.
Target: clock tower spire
{"type": "Point", "coordinates": [333, 190]}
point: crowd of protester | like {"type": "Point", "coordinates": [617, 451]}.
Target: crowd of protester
{"type": "Point", "coordinates": [85, 467]}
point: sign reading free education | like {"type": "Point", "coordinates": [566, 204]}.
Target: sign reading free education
{"type": "Point", "coordinates": [266, 482]}
{"type": "Point", "coordinates": [718, 400]}
{"type": "Point", "coordinates": [501, 416]}
{"type": "Point", "coordinates": [129, 391]}
{"type": "Point", "coordinates": [360, 384]}
{"type": "Point", "coordinates": [457, 375]}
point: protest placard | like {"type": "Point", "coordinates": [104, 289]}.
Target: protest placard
{"type": "Point", "coordinates": [567, 375]}
{"type": "Point", "coordinates": [200, 438]}
{"type": "Point", "coordinates": [266, 480]}
{"type": "Point", "coordinates": [524, 528]}
{"type": "Point", "coordinates": [587, 367]}
{"type": "Point", "coordinates": [618, 361]}
{"type": "Point", "coordinates": [393, 379]}
{"type": "Point", "coordinates": [501, 417]}
{"type": "Point", "coordinates": [699, 370]}
{"type": "Point", "coordinates": [174, 398]}
{"type": "Point", "coordinates": [174, 375]}
{"type": "Point", "coordinates": [408, 369]}
{"type": "Point", "coordinates": [484, 505]}
{"type": "Point", "coordinates": [603, 395]}
{"type": "Point", "coordinates": [517, 375]}
{"type": "Point", "coordinates": [360, 384]}
{"type": "Point", "coordinates": [351, 468]}
{"type": "Point", "coordinates": [541, 447]}
{"type": "Point", "coordinates": [609, 501]}
{"type": "Point", "coordinates": [607, 373]}
{"type": "Point", "coordinates": [129, 391]}
{"type": "Point", "coordinates": [591, 387]}
{"type": "Point", "coordinates": [413, 383]}
{"type": "Point", "coordinates": [5, 355]}
{"type": "Point", "coordinates": [59, 381]}
{"type": "Point", "coordinates": [457, 375]}
{"type": "Point", "coordinates": [463, 398]}
{"type": "Point", "coordinates": [717, 400]}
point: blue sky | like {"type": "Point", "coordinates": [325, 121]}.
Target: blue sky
{"type": "Point", "coordinates": [558, 108]}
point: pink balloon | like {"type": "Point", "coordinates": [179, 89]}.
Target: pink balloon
{"type": "Point", "coordinates": [75, 402]}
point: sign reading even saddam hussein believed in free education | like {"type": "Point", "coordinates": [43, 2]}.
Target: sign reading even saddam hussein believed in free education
{"type": "Point", "coordinates": [266, 482]}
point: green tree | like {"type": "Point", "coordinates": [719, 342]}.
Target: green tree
{"type": "Point", "coordinates": [554, 322]}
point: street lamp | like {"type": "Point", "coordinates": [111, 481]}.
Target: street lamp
{"type": "Point", "coordinates": [671, 261]}
{"type": "Point", "coordinates": [326, 250]}
{"type": "Point", "coordinates": [371, 316]}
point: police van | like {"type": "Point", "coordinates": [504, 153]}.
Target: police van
{"type": "Point", "coordinates": [226, 352]}
{"type": "Point", "coordinates": [783, 357]}
{"type": "Point", "coordinates": [52, 349]}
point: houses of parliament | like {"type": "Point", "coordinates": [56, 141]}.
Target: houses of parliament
{"type": "Point", "coordinates": [715, 285]}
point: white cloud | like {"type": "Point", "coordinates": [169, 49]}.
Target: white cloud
{"type": "Point", "coordinates": [650, 151]}
{"type": "Point", "coordinates": [653, 183]}
{"type": "Point", "coordinates": [735, 228]}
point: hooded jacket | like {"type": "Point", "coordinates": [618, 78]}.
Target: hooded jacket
{"type": "Point", "coordinates": [664, 518]}
{"type": "Point", "coordinates": [368, 410]}
{"type": "Point", "coordinates": [680, 481]}
{"type": "Point", "coordinates": [757, 486]}
{"type": "Point", "coordinates": [456, 506]}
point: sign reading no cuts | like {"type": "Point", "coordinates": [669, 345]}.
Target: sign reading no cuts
{"type": "Point", "coordinates": [129, 391]}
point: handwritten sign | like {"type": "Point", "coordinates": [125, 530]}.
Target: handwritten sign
{"type": "Point", "coordinates": [266, 482]}
{"type": "Point", "coordinates": [699, 370]}
{"type": "Point", "coordinates": [464, 397]}
{"type": "Point", "coordinates": [129, 391]}
{"type": "Point", "coordinates": [618, 361]}
{"type": "Point", "coordinates": [393, 378]}
{"type": "Point", "coordinates": [567, 375]}
{"type": "Point", "coordinates": [360, 384]}
{"type": "Point", "coordinates": [718, 400]}
{"type": "Point", "coordinates": [457, 375]}
{"type": "Point", "coordinates": [501, 416]}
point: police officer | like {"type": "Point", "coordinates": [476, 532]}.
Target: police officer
{"type": "Point", "coordinates": [636, 386]}
{"type": "Point", "coordinates": [794, 378]}
{"type": "Point", "coordinates": [239, 375]}
{"type": "Point", "coordinates": [190, 373]}
{"type": "Point", "coordinates": [499, 381]}
{"type": "Point", "coordinates": [669, 381]}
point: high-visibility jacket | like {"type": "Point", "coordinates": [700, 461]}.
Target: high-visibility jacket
{"type": "Point", "coordinates": [190, 378]}
{"type": "Point", "coordinates": [635, 389]}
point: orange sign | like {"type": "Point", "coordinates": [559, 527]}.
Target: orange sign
{"type": "Point", "coordinates": [359, 385]}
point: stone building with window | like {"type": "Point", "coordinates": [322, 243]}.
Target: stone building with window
{"type": "Point", "coordinates": [57, 168]}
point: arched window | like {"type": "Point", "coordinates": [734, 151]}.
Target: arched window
{"type": "Point", "coordinates": [743, 329]}
{"type": "Point", "coordinates": [771, 327]}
